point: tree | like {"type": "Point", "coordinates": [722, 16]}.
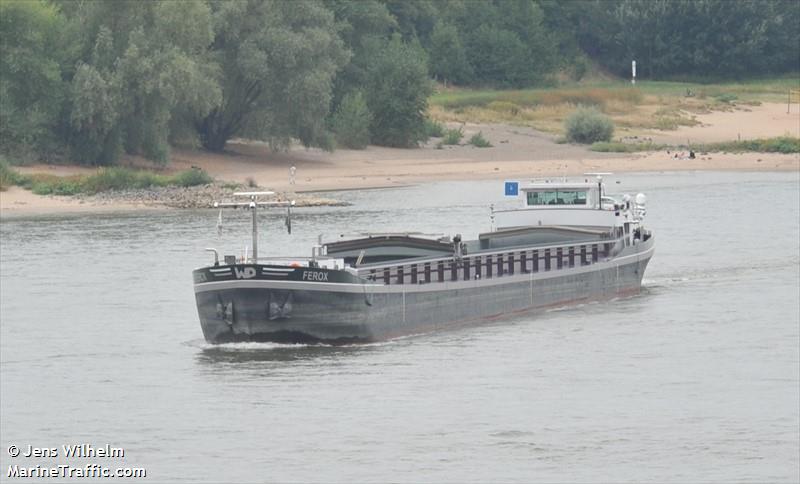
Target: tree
{"type": "Point", "coordinates": [141, 63]}
{"type": "Point", "coordinates": [448, 60]}
{"type": "Point", "coordinates": [505, 41]}
{"type": "Point", "coordinates": [359, 22]}
{"type": "Point", "coordinates": [397, 92]}
{"type": "Point", "coordinates": [701, 38]}
{"type": "Point", "coordinates": [32, 91]}
{"type": "Point", "coordinates": [278, 60]}
{"type": "Point", "coordinates": [415, 18]}
{"type": "Point", "coordinates": [351, 121]}
{"type": "Point", "coordinates": [497, 57]}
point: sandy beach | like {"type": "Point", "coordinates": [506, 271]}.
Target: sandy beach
{"type": "Point", "coordinates": [518, 152]}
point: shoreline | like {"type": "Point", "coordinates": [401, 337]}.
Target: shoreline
{"type": "Point", "coordinates": [516, 152]}
{"type": "Point", "coordinates": [17, 202]}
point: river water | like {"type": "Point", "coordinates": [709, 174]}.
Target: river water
{"type": "Point", "coordinates": [696, 379]}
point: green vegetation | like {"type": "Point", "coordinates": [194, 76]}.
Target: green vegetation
{"type": "Point", "coordinates": [8, 176]}
{"type": "Point", "coordinates": [781, 144]}
{"type": "Point", "coordinates": [477, 140]}
{"type": "Point", "coordinates": [453, 136]}
{"type": "Point", "coordinates": [351, 121]}
{"type": "Point", "coordinates": [91, 81]}
{"type": "Point", "coordinates": [710, 38]}
{"type": "Point", "coordinates": [434, 129]}
{"type": "Point", "coordinates": [663, 105]}
{"type": "Point", "coordinates": [277, 61]}
{"type": "Point", "coordinates": [502, 100]}
{"type": "Point", "coordinates": [603, 93]}
{"type": "Point", "coordinates": [106, 179]}
{"type": "Point", "coordinates": [448, 59]}
{"type": "Point", "coordinates": [588, 125]}
{"type": "Point", "coordinates": [618, 147]}
{"type": "Point", "coordinates": [397, 92]}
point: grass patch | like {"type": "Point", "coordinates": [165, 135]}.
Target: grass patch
{"type": "Point", "coordinates": [453, 136]}
{"type": "Point", "coordinates": [8, 176]}
{"type": "Point", "coordinates": [781, 144]}
{"type": "Point", "coordinates": [43, 184]}
{"type": "Point", "coordinates": [114, 178]}
{"type": "Point", "coordinates": [513, 101]}
{"type": "Point", "coordinates": [190, 178]}
{"type": "Point", "coordinates": [618, 147]}
{"type": "Point", "coordinates": [433, 128]}
{"type": "Point", "coordinates": [477, 140]}
{"type": "Point", "coordinates": [649, 105]}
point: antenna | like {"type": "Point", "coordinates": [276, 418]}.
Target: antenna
{"type": "Point", "coordinates": [253, 205]}
{"type": "Point", "coordinates": [599, 175]}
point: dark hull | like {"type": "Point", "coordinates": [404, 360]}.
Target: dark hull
{"type": "Point", "coordinates": [350, 309]}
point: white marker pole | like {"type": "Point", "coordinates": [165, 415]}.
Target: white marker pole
{"type": "Point", "coordinates": [633, 71]}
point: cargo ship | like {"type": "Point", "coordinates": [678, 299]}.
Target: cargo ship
{"type": "Point", "coordinates": [565, 243]}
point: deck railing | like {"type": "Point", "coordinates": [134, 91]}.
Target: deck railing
{"type": "Point", "coordinates": [492, 264]}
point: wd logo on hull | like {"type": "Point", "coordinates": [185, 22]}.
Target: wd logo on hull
{"type": "Point", "coordinates": [245, 272]}
{"type": "Point", "coordinates": [315, 276]}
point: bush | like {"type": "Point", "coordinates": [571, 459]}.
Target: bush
{"type": "Point", "coordinates": [116, 178]}
{"type": "Point", "coordinates": [453, 136]}
{"type": "Point", "coordinates": [190, 178]}
{"type": "Point", "coordinates": [351, 121]}
{"type": "Point", "coordinates": [54, 185]}
{"type": "Point", "coordinates": [8, 176]}
{"type": "Point", "coordinates": [433, 128]}
{"type": "Point", "coordinates": [479, 141]}
{"type": "Point", "coordinates": [587, 125]}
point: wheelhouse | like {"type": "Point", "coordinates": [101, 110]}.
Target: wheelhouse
{"type": "Point", "coordinates": [564, 195]}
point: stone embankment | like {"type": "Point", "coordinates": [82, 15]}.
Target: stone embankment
{"type": "Point", "coordinates": [202, 196]}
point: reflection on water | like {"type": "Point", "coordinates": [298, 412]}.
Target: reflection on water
{"type": "Point", "coordinates": [245, 353]}
{"type": "Point", "coordinates": [697, 379]}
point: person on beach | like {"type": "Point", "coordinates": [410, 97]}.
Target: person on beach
{"type": "Point", "coordinates": [292, 172]}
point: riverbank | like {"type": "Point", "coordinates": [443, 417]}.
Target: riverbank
{"type": "Point", "coordinates": [17, 201]}
{"type": "Point", "coordinates": [516, 152]}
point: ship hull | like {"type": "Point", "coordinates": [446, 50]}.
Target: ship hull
{"type": "Point", "coordinates": [351, 309]}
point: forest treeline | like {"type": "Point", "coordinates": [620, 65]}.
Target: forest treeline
{"type": "Point", "coordinates": [91, 80]}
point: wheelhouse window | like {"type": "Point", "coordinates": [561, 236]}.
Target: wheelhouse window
{"type": "Point", "coordinates": [557, 197]}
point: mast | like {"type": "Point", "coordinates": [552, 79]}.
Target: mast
{"type": "Point", "coordinates": [254, 208]}
{"type": "Point", "coordinates": [599, 176]}
{"type": "Point", "coordinates": [253, 205]}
